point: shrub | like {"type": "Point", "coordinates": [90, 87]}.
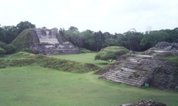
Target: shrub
{"type": "Point", "coordinates": [10, 49]}
{"type": "Point", "coordinates": [2, 51]}
{"type": "Point", "coordinates": [3, 45]}
{"type": "Point", "coordinates": [29, 51]}
{"type": "Point", "coordinates": [83, 50]}
{"type": "Point", "coordinates": [111, 53]}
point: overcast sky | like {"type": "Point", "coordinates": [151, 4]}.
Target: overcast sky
{"type": "Point", "coordinates": [105, 15]}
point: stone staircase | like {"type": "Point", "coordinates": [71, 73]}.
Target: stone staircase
{"type": "Point", "coordinates": [126, 72]}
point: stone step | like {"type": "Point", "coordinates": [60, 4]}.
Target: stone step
{"type": "Point", "coordinates": [130, 82]}
{"type": "Point", "coordinates": [134, 60]}
{"type": "Point", "coordinates": [143, 56]}
{"type": "Point", "coordinates": [128, 69]}
{"type": "Point", "coordinates": [122, 76]}
{"type": "Point", "coordinates": [126, 80]}
{"type": "Point", "coordinates": [136, 80]}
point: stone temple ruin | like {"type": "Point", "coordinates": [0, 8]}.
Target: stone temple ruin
{"type": "Point", "coordinates": [163, 49]}
{"type": "Point", "coordinates": [49, 41]}
{"type": "Point", "coordinates": [146, 68]}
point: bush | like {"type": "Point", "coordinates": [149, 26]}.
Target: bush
{"type": "Point", "coordinates": [111, 53]}
{"type": "Point", "coordinates": [29, 51]}
{"type": "Point", "coordinates": [3, 45]}
{"type": "Point", "coordinates": [2, 51]}
{"type": "Point", "coordinates": [10, 49]}
{"type": "Point", "coordinates": [83, 50]}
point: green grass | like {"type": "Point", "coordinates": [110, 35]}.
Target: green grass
{"type": "Point", "coordinates": [25, 59]}
{"type": "Point", "coordinates": [172, 59]}
{"type": "Point", "coordinates": [33, 85]}
{"type": "Point", "coordinates": [37, 86]}
{"type": "Point", "coordinates": [84, 58]}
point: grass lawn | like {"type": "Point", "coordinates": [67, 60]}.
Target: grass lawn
{"type": "Point", "coordinates": [84, 58]}
{"type": "Point", "coordinates": [37, 86]}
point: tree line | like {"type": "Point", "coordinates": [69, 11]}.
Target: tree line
{"type": "Point", "coordinates": [9, 33]}
{"type": "Point", "coordinates": [132, 40]}
{"type": "Point", "coordinates": [95, 41]}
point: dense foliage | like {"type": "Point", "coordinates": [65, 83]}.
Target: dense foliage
{"type": "Point", "coordinates": [131, 40]}
{"type": "Point", "coordinates": [9, 33]}
{"type": "Point", "coordinates": [111, 53]}
{"type": "Point", "coordinates": [7, 48]}
{"type": "Point", "coordinates": [2, 51]}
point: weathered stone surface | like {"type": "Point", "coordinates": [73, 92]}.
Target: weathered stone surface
{"type": "Point", "coordinates": [167, 46]}
{"type": "Point", "coordinates": [139, 70]}
{"type": "Point", "coordinates": [163, 49]}
{"type": "Point", "coordinates": [145, 103]}
{"type": "Point", "coordinates": [49, 41]}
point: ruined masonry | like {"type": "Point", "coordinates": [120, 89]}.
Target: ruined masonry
{"type": "Point", "coordinates": [140, 69]}
{"type": "Point", "coordinates": [49, 41]}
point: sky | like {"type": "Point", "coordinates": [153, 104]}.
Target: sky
{"type": "Point", "coordinates": [114, 16]}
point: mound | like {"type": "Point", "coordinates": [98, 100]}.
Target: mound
{"type": "Point", "coordinates": [143, 70]}
{"type": "Point", "coordinates": [44, 41]}
{"type": "Point", "coordinates": [163, 49]}
{"type": "Point", "coordinates": [24, 59]}
{"type": "Point", "coordinates": [111, 53]}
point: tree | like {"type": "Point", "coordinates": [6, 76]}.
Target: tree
{"type": "Point", "coordinates": [73, 29]}
{"type": "Point", "coordinates": [2, 34]}
{"type": "Point", "coordinates": [152, 38]}
{"type": "Point", "coordinates": [99, 39]}
{"type": "Point", "coordinates": [89, 39]}
{"type": "Point", "coordinates": [73, 35]}
{"type": "Point", "coordinates": [24, 25]}
{"type": "Point", "coordinates": [11, 33]}
{"type": "Point", "coordinates": [131, 40]}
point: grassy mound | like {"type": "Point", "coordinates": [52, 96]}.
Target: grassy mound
{"type": "Point", "coordinates": [19, 55]}
{"type": "Point", "coordinates": [66, 65]}
{"type": "Point", "coordinates": [23, 40]}
{"type": "Point", "coordinates": [23, 59]}
{"type": "Point", "coordinates": [111, 53]}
